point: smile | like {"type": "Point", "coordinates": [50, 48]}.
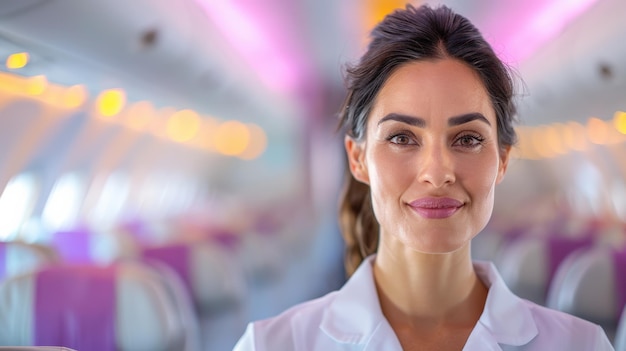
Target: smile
{"type": "Point", "coordinates": [436, 207]}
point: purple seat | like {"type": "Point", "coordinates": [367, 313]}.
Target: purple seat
{"type": "Point", "coordinates": [81, 314]}
{"type": "Point", "coordinates": [73, 245]}
{"type": "Point", "coordinates": [210, 274]}
{"type": "Point", "coordinates": [34, 348]}
{"type": "Point", "coordinates": [591, 285]}
{"type": "Point", "coordinates": [559, 247]}
{"type": "Point", "coordinates": [122, 307]}
{"type": "Point", "coordinates": [85, 246]}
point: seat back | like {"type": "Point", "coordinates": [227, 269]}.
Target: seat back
{"type": "Point", "coordinates": [18, 257]}
{"type": "Point", "coordinates": [212, 277]}
{"type": "Point", "coordinates": [524, 267]}
{"type": "Point", "coordinates": [588, 286]}
{"type": "Point", "coordinates": [83, 245]}
{"type": "Point", "coordinates": [529, 264]}
{"type": "Point", "coordinates": [214, 282]}
{"type": "Point", "coordinates": [34, 348]}
{"type": "Point", "coordinates": [620, 335]}
{"type": "Point", "coordinates": [121, 307]}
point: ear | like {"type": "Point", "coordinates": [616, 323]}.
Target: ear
{"type": "Point", "coordinates": [505, 154]}
{"type": "Point", "coordinates": [356, 159]}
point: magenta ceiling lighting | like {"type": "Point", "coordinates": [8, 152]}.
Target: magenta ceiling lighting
{"type": "Point", "coordinates": [542, 24]}
{"type": "Point", "coordinates": [262, 40]}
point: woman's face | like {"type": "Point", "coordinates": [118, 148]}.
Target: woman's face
{"type": "Point", "coordinates": [430, 156]}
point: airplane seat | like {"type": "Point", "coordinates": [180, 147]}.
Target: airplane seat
{"type": "Point", "coordinates": [184, 307]}
{"type": "Point", "coordinates": [34, 348]}
{"type": "Point", "coordinates": [85, 307]}
{"type": "Point", "coordinates": [620, 335]}
{"type": "Point", "coordinates": [576, 291]}
{"type": "Point", "coordinates": [529, 264]}
{"type": "Point", "coordinates": [214, 282]}
{"type": "Point", "coordinates": [523, 265]}
{"type": "Point", "coordinates": [20, 257]}
{"type": "Point", "coordinates": [82, 245]}
{"type": "Point", "coordinates": [210, 274]}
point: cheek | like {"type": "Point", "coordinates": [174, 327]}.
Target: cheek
{"type": "Point", "coordinates": [481, 176]}
{"type": "Point", "coordinates": [389, 173]}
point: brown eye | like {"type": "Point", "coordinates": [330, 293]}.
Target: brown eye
{"type": "Point", "coordinates": [469, 141]}
{"type": "Point", "coordinates": [400, 139]}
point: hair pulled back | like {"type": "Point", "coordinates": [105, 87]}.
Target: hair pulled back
{"type": "Point", "coordinates": [411, 34]}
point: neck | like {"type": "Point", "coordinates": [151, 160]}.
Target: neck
{"type": "Point", "coordinates": [417, 289]}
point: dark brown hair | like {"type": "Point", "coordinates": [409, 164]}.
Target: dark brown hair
{"type": "Point", "coordinates": [411, 34]}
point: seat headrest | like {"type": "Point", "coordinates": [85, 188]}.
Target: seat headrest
{"type": "Point", "coordinates": [18, 257]}
{"type": "Point", "coordinates": [212, 276]}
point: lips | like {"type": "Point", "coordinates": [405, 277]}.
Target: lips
{"type": "Point", "coordinates": [436, 207]}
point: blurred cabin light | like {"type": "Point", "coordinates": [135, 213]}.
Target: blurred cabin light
{"type": "Point", "coordinates": [111, 102]}
{"type": "Point", "coordinates": [139, 115]}
{"type": "Point", "coordinates": [17, 60]}
{"type": "Point", "coordinates": [16, 203]}
{"type": "Point", "coordinates": [36, 85]}
{"type": "Point", "coordinates": [554, 140]}
{"type": "Point", "coordinates": [376, 10]}
{"type": "Point", "coordinates": [232, 138]}
{"type": "Point", "coordinates": [205, 139]}
{"type": "Point", "coordinates": [597, 131]}
{"type": "Point", "coordinates": [183, 125]}
{"type": "Point", "coordinates": [74, 96]}
{"type": "Point", "coordinates": [524, 148]}
{"type": "Point", "coordinates": [619, 121]}
{"type": "Point", "coordinates": [575, 136]}
{"type": "Point", "coordinates": [539, 143]}
{"type": "Point", "coordinates": [257, 144]}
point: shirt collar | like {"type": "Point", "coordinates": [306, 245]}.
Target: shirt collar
{"type": "Point", "coordinates": [355, 316]}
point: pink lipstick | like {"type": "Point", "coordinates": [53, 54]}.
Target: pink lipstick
{"type": "Point", "coordinates": [436, 207]}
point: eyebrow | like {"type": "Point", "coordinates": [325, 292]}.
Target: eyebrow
{"type": "Point", "coordinates": [420, 122]}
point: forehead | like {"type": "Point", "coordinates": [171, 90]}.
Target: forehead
{"type": "Point", "coordinates": [433, 89]}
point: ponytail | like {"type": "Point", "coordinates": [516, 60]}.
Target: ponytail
{"type": "Point", "coordinates": [358, 225]}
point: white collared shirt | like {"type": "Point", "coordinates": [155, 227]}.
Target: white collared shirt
{"type": "Point", "coordinates": [351, 319]}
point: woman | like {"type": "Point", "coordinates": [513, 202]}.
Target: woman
{"type": "Point", "coordinates": [429, 128]}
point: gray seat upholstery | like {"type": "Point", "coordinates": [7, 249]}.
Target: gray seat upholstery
{"type": "Point", "coordinates": [585, 286]}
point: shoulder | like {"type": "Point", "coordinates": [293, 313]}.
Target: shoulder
{"type": "Point", "coordinates": [291, 329]}
{"type": "Point", "coordinates": [566, 331]}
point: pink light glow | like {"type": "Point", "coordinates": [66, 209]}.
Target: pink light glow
{"type": "Point", "coordinates": [262, 46]}
{"type": "Point", "coordinates": [544, 25]}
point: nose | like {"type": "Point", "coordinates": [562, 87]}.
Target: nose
{"type": "Point", "coordinates": [436, 166]}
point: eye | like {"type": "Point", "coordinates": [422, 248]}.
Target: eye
{"type": "Point", "coordinates": [401, 139]}
{"type": "Point", "coordinates": [469, 141]}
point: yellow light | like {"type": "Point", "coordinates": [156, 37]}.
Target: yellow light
{"type": "Point", "coordinates": [183, 125]}
{"type": "Point", "coordinates": [378, 9]}
{"type": "Point", "coordinates": [232, 138]}
{"type": "Point", "coordinates": [553, 139]}
{"type": "Point", "coordinates": [36, 85]}
{"type": "Point", "coordinates": [619, 120]}
{"type": "Point", "coordinates": [74, 96]}
{"type": "Point", "coordinates": [111, 102]}
{"type": "Point", "coordinates": [575, 136]}
{"type": "Point", "coordinates": [597, 131]}
{"type": "Point", "coordinates": [539, 142]}
{"type": "Point", "coordinates": [257, 145]}
{"type": "Point", "coordinates": [17, 60]}
{"type": "Point", "coordinates": [206, 137]}
{"type": "Point", "coordinates": [139, 115]}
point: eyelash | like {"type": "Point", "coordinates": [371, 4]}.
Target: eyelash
{"type": "Point", "coordinates": [477, 139]}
